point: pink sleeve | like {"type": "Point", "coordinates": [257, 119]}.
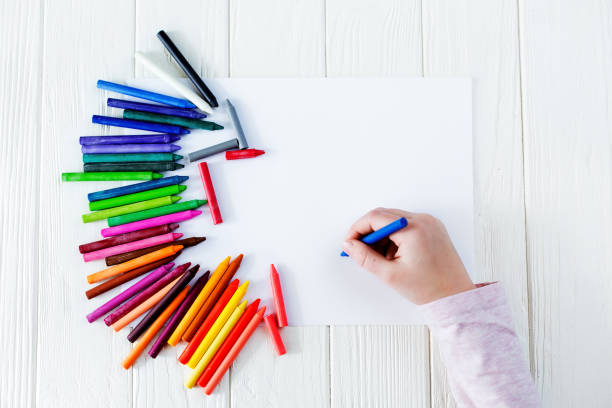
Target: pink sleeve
{"type": "Point", "coordinates": [480, 349]}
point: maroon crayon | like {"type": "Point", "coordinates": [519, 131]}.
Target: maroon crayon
{"type": "Point", "coordinates": [127, 237]}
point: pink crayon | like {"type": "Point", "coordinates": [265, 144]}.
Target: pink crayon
{"type": "Point", "coordinates": [131, 246]}
{"type": "Point", "coordinates": [150, 222]}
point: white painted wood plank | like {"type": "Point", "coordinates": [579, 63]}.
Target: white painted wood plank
{"type": "Point", "coordinates": [566, 79]}
{"type": "Point", "coordinates": [200, 30]}
{"type": "Point", "coordinates": [441, 394]}
{"type": "Point", "coordinates": [277, 38]}
{"type": "Point", "coordinates": [373, 37]}
{"type": "Point", "coordinates": [78, 362]}
{"type": "Point", "coordinates": [21, 56]}
{"type": "Point", "coordinates": [280, 38]}
{"type": "Point", "coordinates": [300, 378]}
{"type": "Point", "coordinates": [455, 44]}
{"type": "Point", "coordinates": [377, 366]}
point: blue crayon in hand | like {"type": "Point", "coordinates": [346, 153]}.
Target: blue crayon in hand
{"type": "Point", "coordinates": [384, 232]}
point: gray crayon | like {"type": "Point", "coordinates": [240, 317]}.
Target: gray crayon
{"type": "Point", "coordinates": [242, 142]}
{"type": "Point", "coordinates": [209, 151]}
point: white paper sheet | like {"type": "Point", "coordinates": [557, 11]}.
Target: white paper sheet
{"type": "Point", "coordinates": [335, 148]}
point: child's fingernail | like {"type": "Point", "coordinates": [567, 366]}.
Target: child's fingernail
{"type": "Point", "coordinates": [347, 246]}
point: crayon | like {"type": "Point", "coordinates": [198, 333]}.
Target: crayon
{"type": "Point", "coordinates": [171, 120]}
{"type": "Point", "coordinates": [154, 212]}
{"type": "Point", "coordinates": [195, 79]}
{"type": "Point", "coordinates": [242, 142]}
{"type": "Point", "coordinates": [138, 166]}
{"type": "Point", "coordinates": [129, 292]}
{"type": "Point", "coordinates": [138, 124]}
{"type": "Point", "coordinates": [228, 293]}
{"type": "Point", "coordinates": [216, 344]}
{"type": "Point", "coordinates": [214, 329]}
{"type": "Point", "coordinates": [142, 94]}
{"type": "Point", "coordinates": [272, 326]}
{"type": "Point", "coordinates": [243, 154]}
{"type": "Point", "coordinates": [180, 312]}
{"type": "Point", "coordinates": [151, 222]}
{"type": "Point", "coordinates": [130, 208]}
{"type": "Point", "coordinates": [111, 176]}
{"type": "Point", "coordinates": [130, 148]}
{"type": "Point", "coordinates": [128, 139]}
{"type": "Point", "coordinates": [234, 351]}
{"type": "Point", "coordinates": [145, 294]}
{"type": "Point", "coordinates": [228, 343]}
{"type": "Point", "coordinates": [156, 310]}
{"type": "Point", "coordinates": [143, 307]}
{"type": "Point", "coordinates": [152, 331]}
{"type": "Point", "coordinates": [173, 82]}
{"type": "Point", "coordinates": [128, 276]}
{"type": "Point", "coordinates": [277, 293]}
{"type": "Point", "coordinates": [209, 190]}
{"type": "Point", "coordinates": [125, 238]}
{"type": "Point", "coordinates": [212, 298]}
{"type": "Point", "coordinates": [384, 232]}
{"type": "Point", "coordinates": [136, 188]}
{"type": "Point", "coordinates": [133, 263]}
{"type": "Point", "coordinates": [130, 157]}
{"type": "Point", "coordinates": [132, 246]}
{"type": "Point", "coordinates": [212, 150]}
{"type": "Point", "coordinates": [197, 304]}
{"type": "Point", "coordinates": [120, 258]}
{"type": "Point", "coordinates": [148, 107]}
{"type": "Point", "coordinates": [136, 197]}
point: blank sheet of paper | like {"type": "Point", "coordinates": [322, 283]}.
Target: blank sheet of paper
{"type": "Point", "coordinates": [335, 148]}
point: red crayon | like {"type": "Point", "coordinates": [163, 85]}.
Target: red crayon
{"type": "Point", "coordinates": [228, 343]}
{"type": "Point", "coordinates": [274, 334]}
{"type": "Point", "coordinates": [277, 293]}
{"type": "Point", "coordinates": [210, 193]}
{"type": "Point", "coordinates": [242, 154]}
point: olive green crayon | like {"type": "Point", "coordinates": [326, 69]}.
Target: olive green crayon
{"type": "Point", "coordinates": [130, 208]}
{"type": "Point", "coordinates": [171, 120]}
{"type": "Point", "coordinates": [137, 166]}
{"type": "Point", "coordinates": [155, 212]}
{"type": "Point", "coordinates": [111, 176]}
{"type": "Point", "coordinates": [136, 197]}
{"type": "Point", "coordinates": [131, 157]}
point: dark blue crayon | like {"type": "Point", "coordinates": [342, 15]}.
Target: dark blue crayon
{"type": "Point", "coordinates": [148, 95]}
{"type": "Point", "coordinates": [139, 124]}
{"type": "Point", "coordinates": [128, 139]}
{"type": "Point", "coordinates": [384, 232]}
{"type": "Point", "coordinates": [136, 188]}
{"type": "Point", "coordinates": [147, 107]}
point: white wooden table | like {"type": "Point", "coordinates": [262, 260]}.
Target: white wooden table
{"type": "Point", "coordinates": [543, 188]}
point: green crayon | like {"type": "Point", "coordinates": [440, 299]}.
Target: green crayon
{"type": "Point", "coordinates": [130, 208]}
{"type": "Point", "coordinates": [155, 212]}
{"type": "Point", "coordinates": [136, 197]}
{"type": "Point", "coordinates": [131, 157]}
{"type": "Point", "coordinates": [171, 120]}
{"type": "Point", "coordinates": [111, 176]}
{"type": "Point", "coordinates": [137, 166]}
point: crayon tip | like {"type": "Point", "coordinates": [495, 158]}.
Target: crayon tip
{"type": "Point", "coordinates": [173, 226]}
{"type": "Point", "coordinates": [174, 148]}
{"type": "Point", "coordinates": [198, 239]}
{"type": "Point", "coordinates": [176, 235]}
{"type": "Point", "coordinates": [174, 199]}
{"type": "Point", "coordinates": [238, 259]}
{"type": "Point", "coordinates": [201, 202]}
{"type": "Point", "coordinates": [181, 179]}
{"type": "Point", "coordinates": [178, 166]}
{"type": "Point", "coordinates": [184, 132]}
{"type": "Point", "coordinates": [195, 268]}
{"type": "Point", "coordinates": [174, 138]}
{"type": "Point", "coordinates": [176, 248]}
{"type": "Point", "coordinates": [206, 275]}
{"type": "Point", "coordinates": [181, 188]}
{"type": "Point", "coordinates": [256, 303]}
{"type": "Point", "coordinates": [217, 126]}
{"type": "Point", "coordinates": [157, 176]}
{"type": "Point", "coordinates": [176, 157]}
{"type": "Point", "coordinates": [343, 253]}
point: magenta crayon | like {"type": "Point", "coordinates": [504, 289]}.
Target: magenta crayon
{"type": "Point", "coordinates": [129, 292]}
{"type": "Point", "coordinates": [150, 222]}
{"type": "Point", "coordinates": [132, 246]}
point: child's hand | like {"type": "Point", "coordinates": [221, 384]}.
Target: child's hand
{"type": "Point", "coordinates": [419, 261]}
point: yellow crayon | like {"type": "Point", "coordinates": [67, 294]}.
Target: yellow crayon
{"type": "Point", "coordinates": [217, 342]}
{"type": "Point", "coordinates": [197, 304]}
{"type": "Point", "coordinates": [218, 324]}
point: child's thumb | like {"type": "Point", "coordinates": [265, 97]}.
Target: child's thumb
{"type": "Point", "coordinates": [365, 256]}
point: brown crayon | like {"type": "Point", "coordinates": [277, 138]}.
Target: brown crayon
{"type": "Point", "coordinates": [120, 258]}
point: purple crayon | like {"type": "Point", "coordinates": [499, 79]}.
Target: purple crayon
{"type": "Point", "coordinates": [128, 139]}
{"type": "Point", "coordinates": [131, 148]}
{"type": "Point", "coordinates": [147, 107]}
